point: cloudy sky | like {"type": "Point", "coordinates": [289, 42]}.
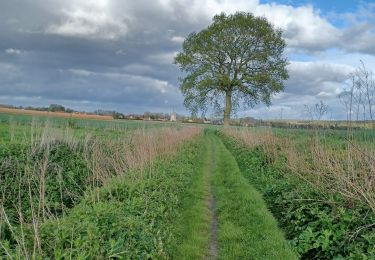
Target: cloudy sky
{"type": "Point", "coordinates": [118, 54]}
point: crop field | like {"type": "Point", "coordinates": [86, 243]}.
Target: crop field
{"type": "Point", "coordinates": [12, 111]}
{"type": "Point", "coordinates": [90, 189]}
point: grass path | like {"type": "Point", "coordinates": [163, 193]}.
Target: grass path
{"type": "Point", "coordinates": [213, 250]}
{"type": "Point", "coordinates": [247, 230]}
{"type": "Point", "coordinates": [225, 217]}
{"type": "Point", "coordinates": [194, 205]}
{"type": "Point", "coordinates": [193, 226]}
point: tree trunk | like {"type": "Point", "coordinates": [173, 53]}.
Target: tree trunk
{"type": "Point", "coordinates": [228, 107]}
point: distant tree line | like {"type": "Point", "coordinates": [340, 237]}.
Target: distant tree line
{"type": "Point", "coordinates": [113, 113]}
{"type": "Point", "coordinates": [50, 108]}
{"type": "Point", "coordinates": [156, 116]}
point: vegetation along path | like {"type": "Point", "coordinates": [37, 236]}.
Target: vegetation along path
{"type": "Point", "coordinates": [226, 218]}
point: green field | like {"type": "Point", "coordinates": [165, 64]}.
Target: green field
{"type": "Point", "coordinates": [88, 189]}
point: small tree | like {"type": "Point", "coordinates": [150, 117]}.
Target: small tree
{"type": "Point", "coordinates": [360, 96]}
{"type": "Point", "coordinates": [317, 111]}
{"type": "Point", "coordinates": [56, 108]}
{"type": "Point", "coordinates": [237, 58]}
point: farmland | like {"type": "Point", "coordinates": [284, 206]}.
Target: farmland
{"type": "Point", "coordinates": [79, 188]}
{"type": "Point", "coordinates": [8, 111]}
{"type": "Point", "coordinates": [171, 129]}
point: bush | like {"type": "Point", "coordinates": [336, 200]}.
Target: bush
{"type": "Point", "coordinates": [55, 178]}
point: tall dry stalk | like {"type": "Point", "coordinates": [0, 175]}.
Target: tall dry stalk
{"type": "Point", "coordinates": [106, 158]}
{"type": "Point", "coordinates": [349, 172]}
{"type": "Point", "coordinates": [109, 158]}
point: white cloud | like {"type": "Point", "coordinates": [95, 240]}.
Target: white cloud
{"type": "Point", "coordinates": [137, 69]}
{"type": "Point", "coordinates": [13, 51]}
{"type": "Point", "coordinates": [303, 26]}
{"type": "Point", "coordinates": [212, 7]}
{"type": "Point", "coordinates": [120, 52]}
{"type": "Point", "coordinates": [178, 39]}
{"type": "Point", "coordinates": [317, 78]}
{"type": "Point", "coordinates": [90, 19]}
{"type": "Point", "coordinates": [163, 58]}
{"type": "Point", "coordinates": [360, 37]}
{"type": "Point", "coordinates": [321, 70]}
{"type": "Point", "coordinates": [136, 65]}
{"type": "Point", "coordinates": [135, 81]}
{"type": "Point", "coordinates": [349, 59]}
{"type": "Point", "coordinates": [81, 72]}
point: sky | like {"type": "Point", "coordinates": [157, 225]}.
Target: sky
{"type": "Point", "coordinates": [118, 54]}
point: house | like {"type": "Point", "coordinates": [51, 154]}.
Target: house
{"type": "Point", "coordinates": [173, 117]}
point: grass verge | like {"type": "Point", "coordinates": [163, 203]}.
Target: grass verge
{"type": "Point", "coordinates": [247, 230]}
{"type": "Point", "coordinates": [317, 228]}
{"type": "Point", "coordinates": [193, 225]}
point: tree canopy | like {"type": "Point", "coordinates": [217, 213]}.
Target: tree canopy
{"type": "Point", "coordinates": [237, 60]}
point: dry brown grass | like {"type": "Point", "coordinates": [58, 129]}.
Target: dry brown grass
{"type": "Point", "coordinates": [109, 158]}
{"type": "Point", "coordinates": [53, 114]}
{"type": "Point", "coordinates": [264, 139]}
{"type": "Point", "coordinates": [349, 172]}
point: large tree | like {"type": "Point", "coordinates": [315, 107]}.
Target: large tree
{"type": "Point", "coordinates": [237, 60]}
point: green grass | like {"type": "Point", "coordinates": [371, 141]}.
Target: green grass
{"type": "Point", "coordinates": [247, 230]}
{"type": "Point", "coordinates": [129, 218]}
{"type": "Point", "coordinates": [68, 195]}
{"type": "Point", "coordinates": [193, 226]}
{"type": "Point", "coordinates": [22, 123]}
{"type": "Point", "coordinates": [19, 128]}
{"type": "Point", "coordinates": [336, 139]}
{"type": "Point", "coordinates": [166, 214]}
{"type": "Point", "coordinates": [332, 137]}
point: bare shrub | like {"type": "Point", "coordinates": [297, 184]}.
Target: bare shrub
{"type": "Point", "coordinates": [359, 97]}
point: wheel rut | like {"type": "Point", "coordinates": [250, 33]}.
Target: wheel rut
{"type": "Point", "coordinates": [213, 243]}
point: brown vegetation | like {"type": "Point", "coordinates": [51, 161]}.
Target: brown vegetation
{"type": "Point", "coordinates": [347, 171]}
{"type": "Point", "coordinates": [53, 114]}
{"type": "Point", "coordinates": [106, 158]}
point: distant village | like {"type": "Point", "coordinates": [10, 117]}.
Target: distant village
{"type": "Point", "coordinates": [173, 117]}
{"type": "Point", "coordinates": [148, 116]}
{"type": "Point", "coordinates": [217, 119]}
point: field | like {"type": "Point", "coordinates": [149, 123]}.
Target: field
{"type": "Point", "coordinates": [91, 189]}
{"type": "Point", "coordinates": [8, 111]}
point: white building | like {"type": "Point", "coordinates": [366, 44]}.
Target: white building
{"type": "Point", "coordinates": [173, 117]}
